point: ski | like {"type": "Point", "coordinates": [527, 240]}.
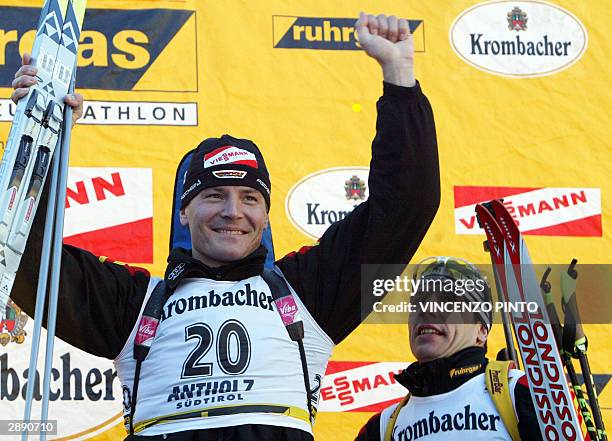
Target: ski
{"type": "Point", "coordinates": [552, 400]}
{"type": "Point", "coordinates": [30, 113]}
{"type": "Point", "coordinates": [35, 132]}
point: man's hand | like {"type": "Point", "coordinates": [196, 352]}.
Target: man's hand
{"type": "Point", "coordinates": [388, 40]}
{"type": "Point", "coordinates": [26, 77]}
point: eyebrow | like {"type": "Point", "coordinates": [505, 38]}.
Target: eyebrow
{"type": "Point", "coordinates": [221, 189]}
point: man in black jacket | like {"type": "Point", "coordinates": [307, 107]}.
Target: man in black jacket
{"type": "Point", "coordinates": [222, 365]}
{"type": "Point", "coordinates": [447, 394]}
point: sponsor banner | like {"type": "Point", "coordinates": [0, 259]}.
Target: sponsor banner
{"type": "Point", "coordinates": [119, 49]}
{"type": "Point", "coordinates": [328, 33]}
{"type": "Point", "coordinates": [127, 113]}
{"type": "Point", "coordinates": [109, 211]}
{"type": "Point", "coordinates": [360, 386]}
{"type": "Point", "coordinates": [538, 211]}
{"type": "Point", "coordinates": [325, 197]}
{"type": "Point", "coordinates": [518, 38]}
{"type": "Point", "coordinates": [85, 395]}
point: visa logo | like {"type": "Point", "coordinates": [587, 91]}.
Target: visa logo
{"type": "Point", "coordinates": [326, 33]}
{"type": "Point", "coordinates": [117, 46]}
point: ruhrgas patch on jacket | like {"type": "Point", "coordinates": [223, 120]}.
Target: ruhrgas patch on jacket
{"type": "Point", "coordinates": [464, 370]}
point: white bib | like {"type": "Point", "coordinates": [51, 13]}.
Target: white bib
{"type": "Point", "coordinates": [466, 413]}
{"type": "Point", "coordinates": [221, 350]}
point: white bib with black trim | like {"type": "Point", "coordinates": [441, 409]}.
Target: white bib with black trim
{"type": "Point", "coordinates": [222, 357]}
{"type": "Point", "coordinates": [466, 413]}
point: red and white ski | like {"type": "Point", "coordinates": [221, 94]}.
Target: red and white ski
{"type": "Point", "coordinates": [552, 400]}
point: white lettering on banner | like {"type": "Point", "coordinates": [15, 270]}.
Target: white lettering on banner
{"type": "Point", "coordinates": [102, 197]}
{"type": "Point", "coordinates": [129, 113]}
{"type": "Point", "coordinates": [541, 208]}
{"type": "Point", "coordinates": [361, 386]}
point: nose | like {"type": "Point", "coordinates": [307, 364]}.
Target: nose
{"type": "Point", "coordinates": [232, 208]}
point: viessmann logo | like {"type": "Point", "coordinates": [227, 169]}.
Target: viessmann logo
{"type": "Point", "coordinates": [357, 386]}
{"type": "Point", "coordinates": [518, 38]}
{"type": "Point", "coordinates": [538, 211]}
{"type": "Point", "coordinates": [117, 49]}
{"type": "Point", "coordinates": [327, 33]}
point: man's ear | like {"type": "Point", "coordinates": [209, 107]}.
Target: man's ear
{"type": "Point", "coordinates": [482, 334]}
{"type": "Point", "coordinates": [183, 218]}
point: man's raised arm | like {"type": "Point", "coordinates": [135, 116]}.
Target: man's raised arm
{"type": "Point", "coordinates": [404, 185]}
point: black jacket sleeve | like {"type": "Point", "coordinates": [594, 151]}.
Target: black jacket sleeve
{"type": "Point", "coordinates": [528, 426]}
{"type": "Point", "coordinates": [404, 185]}
{"type": "Point", "coordinates": [371, 430]}
{"type": "Point", "coordinates": [98, 303]}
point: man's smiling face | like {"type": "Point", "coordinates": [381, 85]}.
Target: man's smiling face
{"type": "Point", "coordinates": [440, 335]}
{"type": "Point", "coordinates": [226, 223]}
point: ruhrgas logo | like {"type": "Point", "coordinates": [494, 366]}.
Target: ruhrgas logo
{"type": "Point", "coordinates": [109, 211]}
{"type": "Point", "coordinates": [327, 33]}
{"type": "Point", "coordinates": [538, 211]}
{"type": "Point", "coordinates": [119, 49]}
{"type": "Point", "coordinates": [518, 39]}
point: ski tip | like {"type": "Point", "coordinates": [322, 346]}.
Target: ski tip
{"type": "Point", "coordinates": [63, 7]}
{"type": "Point", "coordinates": [79, 7]}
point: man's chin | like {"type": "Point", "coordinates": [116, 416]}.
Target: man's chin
{"type": "Point", "coordinates": [227, 254]}
{"type": "Point", "coordinates": [426, 353]}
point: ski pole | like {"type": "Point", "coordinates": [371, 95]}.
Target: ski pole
{"type": "Point", "coordinates": [576, 343]}
{"type": "Point", "coordinates": [41, 294]}
{"type": "Point", "coordinates": [62, 157]}
{"type": "Point", "coordinates": [565, 357]}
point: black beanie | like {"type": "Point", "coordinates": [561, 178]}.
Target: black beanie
{"type": "Point", "coordinates": [217, 162]}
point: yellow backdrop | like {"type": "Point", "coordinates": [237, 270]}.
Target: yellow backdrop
{"type": "Point", "coordinates": [264, 71]}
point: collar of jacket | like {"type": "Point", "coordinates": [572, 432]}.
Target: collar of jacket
{"type": "Point", "coordinates": [444, 374]}
{"type": "Point", "coordinates": [181, 265]}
